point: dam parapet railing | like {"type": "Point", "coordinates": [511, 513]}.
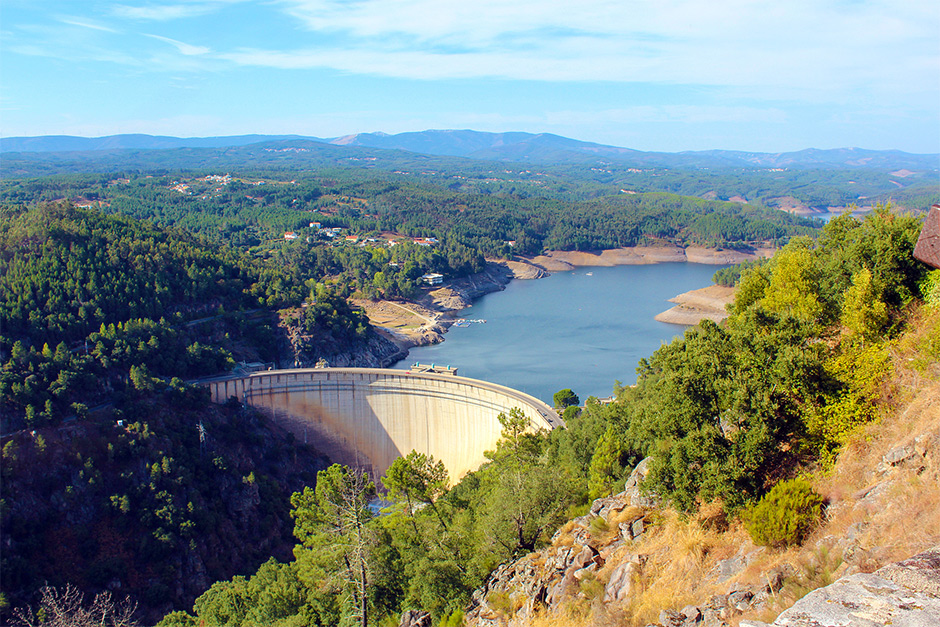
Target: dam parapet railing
{"type": "Point", "coordinates": [368, 417]}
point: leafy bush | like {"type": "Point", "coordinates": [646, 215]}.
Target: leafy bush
{"type": "Point", "coordinates": [930, 288]}
{"type": "Point", "coordinates": [454, 620]}
{"type": "Point", "coordinates": [859, 376]}
{"type": "Point", "coordinates": [785, 515]}
{"type": "Point", "coordinates": [730, 276]}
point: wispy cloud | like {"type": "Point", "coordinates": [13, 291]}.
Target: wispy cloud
{"type": "Point", "coordinates": [184, 48]}
{"type": "Point", "coordinates": [824, 44]}
{"type": "Point", "coordinates": [86, 23]}
{"type": "Point", "coordinates": [159, 12]}
{"type": "Point", "coordinates": [72, 39]}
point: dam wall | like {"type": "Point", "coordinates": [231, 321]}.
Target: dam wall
{"type": "Point", "coordinates": [368, 417]}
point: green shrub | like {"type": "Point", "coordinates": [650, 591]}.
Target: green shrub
{"type": "Point", "coordinates": [454, 620]}
{"type": "Point", "coordinates": [591, 587]}
{"type": "Point", "coordinates": [500, 602]}
{"type": "Point", "coordinates": [566, 398]}
{"type": "Point", "coordinates": [571, 412]}
{"type": "Point", "coordinates": [785, 515]}
{"type": "Point", "coordinates": [862, 373]}
{"type": "Point", "coordinates": [930, 288]}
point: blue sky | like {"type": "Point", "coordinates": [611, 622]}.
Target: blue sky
{"type": "Point", "coordinates": [652, 75]}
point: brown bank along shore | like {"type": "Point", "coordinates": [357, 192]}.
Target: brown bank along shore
{"type": "Point", "coordinates": [425, 320]}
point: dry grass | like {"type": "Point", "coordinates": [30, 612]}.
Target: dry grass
{"type": "Point", "coordinates": [606, 531]}
{"type": "Point", "coordinates": [678, 554]}
{"type": "Point", "coordinates": [565, 538]}
{"type": "Point", "coordinates": [627, 514]}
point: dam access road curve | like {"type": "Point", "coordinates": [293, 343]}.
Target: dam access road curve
{"type": "Point", "coordinates": [368, 417]}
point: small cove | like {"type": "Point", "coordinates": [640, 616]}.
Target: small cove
{"type": "Point", "coordinates": [582, 329]}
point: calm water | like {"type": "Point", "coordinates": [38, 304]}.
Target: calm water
{"type": "Point", "coordinates": [581, 330]}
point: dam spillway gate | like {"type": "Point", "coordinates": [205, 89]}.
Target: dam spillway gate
{"type": "Point", "coordinates": [368, 417]}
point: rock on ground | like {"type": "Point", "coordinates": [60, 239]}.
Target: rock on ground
{"type": "Point", "coordinates": [905, 594]}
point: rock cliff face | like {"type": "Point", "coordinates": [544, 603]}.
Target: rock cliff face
{"type": "Point", "coordinates": [378, 352]}
{"type": "Point", "coordinates": [299, 350]}
{"type": "Point", "coordinates": [555, 574]}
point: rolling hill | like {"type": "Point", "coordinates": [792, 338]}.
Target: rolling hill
{"type": "Point", "coordinates": [522, 147]}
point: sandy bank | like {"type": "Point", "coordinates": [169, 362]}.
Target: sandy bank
{"type": "Point", "coordinates": [707, 303]}
{"type": "Point", "coordinates": [564, 260]}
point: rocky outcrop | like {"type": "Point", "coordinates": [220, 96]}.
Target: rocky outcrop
{"type": "Point", "coordinates": [299, 350]}
{"type": "Point", "coordinates": [522, 268]}
{"type": "Point", "coordinates": [721, 609]}
{"type": "Point", "coordinates": [415, 618]}
{"type": "Point", "coordinates": [632, 491]}
{"type": "Point", "coordinates": [378, 352]}
{"type": "Point", "coordinates": [579, 550]}
{"type": "Point", "coordinates": [460, 293]}
{"type": "Point", "coordinates": [904, 594]}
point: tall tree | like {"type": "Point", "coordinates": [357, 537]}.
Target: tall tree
{"type": "Point", "coordinates": [332, 519]}
{"type": "Point", "coordinates": [566, 398]}
{"type": "Point", "coordinates": [417, 478]}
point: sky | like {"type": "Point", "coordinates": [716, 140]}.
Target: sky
{"type": "Point", "coordinates": [666, 75]}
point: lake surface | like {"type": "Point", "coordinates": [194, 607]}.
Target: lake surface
{"type": "Point", "coordinates": [829, 215]}
{"type": "Point", "coordinates": [582, 330]}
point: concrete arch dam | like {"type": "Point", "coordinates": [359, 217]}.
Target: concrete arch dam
{"type": "Point", "coordinates": [368, 417]}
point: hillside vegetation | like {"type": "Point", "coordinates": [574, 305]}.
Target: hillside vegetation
{"type": "Point", "coordinates": [724, 414]}
{"type": "Point", "coordinates": [89, 302]}
{"type": "Point", "coordinates": [252, 206]}
{"type": "Point", "coordinates": [155, 497]}
{"type": "Point", "coordinates": [119, 475]}
{"type": "Point", "coordinates": [881, 504]}
{"type": "Point", "coordinates": [516, 163]}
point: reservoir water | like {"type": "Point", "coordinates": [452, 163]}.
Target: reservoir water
{"type": "Point", "coordinates": [583, 329]}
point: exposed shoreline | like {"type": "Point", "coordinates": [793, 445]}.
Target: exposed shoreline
{"type": "Point", "coordinates": [425, 320]}
{"type": "Point", "coordinates": [707, 303]}
{"type": "Point", "coordinates": [561, 261]}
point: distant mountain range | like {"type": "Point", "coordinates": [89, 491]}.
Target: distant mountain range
{"type": "Point", "coordinates": [519, 147]}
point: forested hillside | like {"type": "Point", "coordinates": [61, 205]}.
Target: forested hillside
{"type": "Point", "coordinates": [115, 288]}
{"type": "Point", "coordinates": [154, 497]}
{"type": "Point", "coordinates": [116, 473]}
{"type": "Point", "coordinates": [91, 302]}
{"type": "Point", "coordinates": [254, 208]}
{"type": "Point", "coordinates": [724, 413]}
{"type": "Point", "coordinates": [814, 181]}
